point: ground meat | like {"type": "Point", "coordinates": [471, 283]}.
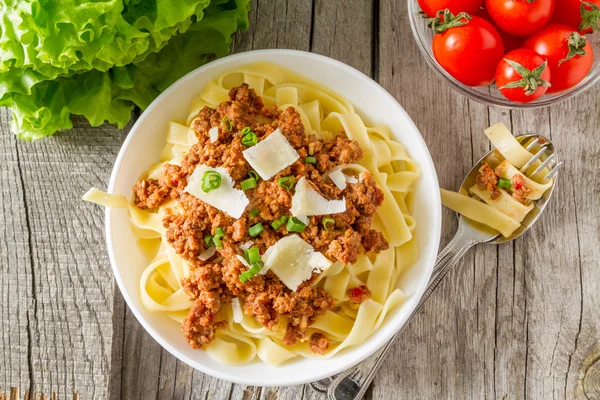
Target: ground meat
{"type": "Point", "coordinates": [150, 193]}
{"type": "Point", "coordinates": [358, 294]}
{"type": "Point", "coordinates": [487, 179]}
{"type": "Point", "coordinates": [345, 248]}
{"type": "Point", "coordinates": [339, 151]}
{"type": "Point", "coordinates": [520, 190]}
{"type": "Point", "coordinates": [186, 234]}
{"type": "Point", "coordinates": [318, 343]}
{"type": "Point", "coordinates": [199, 327]}
{"type": "Point", "coordinates": [213, 283]}
{"type": "Point", "coordinates": [374, 242]}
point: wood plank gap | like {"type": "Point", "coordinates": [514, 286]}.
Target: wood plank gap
{"type": "Point", "coordinates": [496, 316]}
{"type": "Point", "coordinates": [115, 384]}
{"type": "Point", "coordinates": [312, 25]}
{"type": "Point", "coordinates": [375, 41]}
{"type": "Point", "coordinates": [33, 289]}
{"type": "Point", "coordinates": [160, 360]}
{"type": "Point", "coordinates": [570, 358]}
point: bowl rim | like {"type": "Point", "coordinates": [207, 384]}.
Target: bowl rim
{"type": "Point", "coordinates": [483, 98]}
{"type": "Point", "coordinates": [369, 346]}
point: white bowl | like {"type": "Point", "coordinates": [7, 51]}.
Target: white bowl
{"type": "Point", "coordinates": [143, 147]}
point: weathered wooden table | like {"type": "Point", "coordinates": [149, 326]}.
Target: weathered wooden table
{"type": "Point", "coordinates": [520, 320]}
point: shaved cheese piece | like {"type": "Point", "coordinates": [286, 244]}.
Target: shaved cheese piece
{"type": "Point", "coordinates": [247, 245]}
{"type": "Point", "coordinates": [243, 260]}
{"type": "Point", "coordinates": [237, 310]}
{"type": "Point", "coordinates": [307, 201]}
{"type": "Point", "coordinates": [351, 179]}
{"type": "Point", "coordinates": [294, 261]}
{"type": "Point", "coordinates": [226, 198]}
{"type": "Point", "coordinates": [271, 155]}
{"type": "Point", "coordinates": [303, 218]}
{"type": "Point", "coordinates": [213, 133]}
{"type": "Point", "coordinates": [208, 253]}
{"type": "Point", "coordinates": [338, 178]}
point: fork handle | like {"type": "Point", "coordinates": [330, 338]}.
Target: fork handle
{"type": "Point", "coordinates": [353, 383]}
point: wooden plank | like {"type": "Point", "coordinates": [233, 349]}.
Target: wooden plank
{"type": "Point", "coordinates": [344, 31]}
{"type": "Point", "coordinates": [15, 267]}
{"type": "Point", "coordinates": [71, 321]}
{"type": "Point", "coordinates": [568, 283]}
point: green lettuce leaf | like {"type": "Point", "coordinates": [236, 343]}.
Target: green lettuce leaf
{"type": "Point", "coordinates": [44, 40]}
{"type": "Point", "coordinates": [110, 95]}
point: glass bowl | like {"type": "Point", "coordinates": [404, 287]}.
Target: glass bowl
{"type": "Point", "coordinates": [490, 95]}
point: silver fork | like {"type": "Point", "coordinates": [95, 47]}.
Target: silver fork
{"type": "Point", "coordinates": [353, 383]}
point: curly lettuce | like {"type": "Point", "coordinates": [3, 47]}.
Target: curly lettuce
{"type": "Point", "coordinates": [100, 59]}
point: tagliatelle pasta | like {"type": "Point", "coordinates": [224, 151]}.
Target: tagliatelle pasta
{"type": "Point", "coordinates": [323, 113]}
{"type": "Point", "coordinates": [504, 195]}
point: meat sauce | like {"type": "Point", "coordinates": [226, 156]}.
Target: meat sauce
{"type": "Point", "coordinates": [488, 180]}
{"type": "Point", "coordinates": [213, 283]}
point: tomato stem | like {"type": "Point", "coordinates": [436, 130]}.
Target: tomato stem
{"type": "Point", "coordinates": [590, 17]}
{"type": "Point", "coordinates": [576, 47]}
{"type": "Point", "coordinates": [532, 80]}
{"type": "Point", "coordinates": [445, 19]}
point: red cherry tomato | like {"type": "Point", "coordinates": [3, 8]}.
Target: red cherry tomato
{"type": "Point", "coordinates": [511, 42]}
{"type": "Point", "coordinates": [520, 17]}
{"type": "Point", "coordinates": [570, 56]}
{"type": "Point", "coordinates": [431, 7]}
{"type": "Point", "coordinates": [570, 13]}
{"type": "Point", "coordinates": [468, 49]}
{"type": "Point", "coordinates": [523, 76]}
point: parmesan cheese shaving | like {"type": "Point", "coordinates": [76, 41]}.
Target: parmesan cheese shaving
{"type": "Point", "coordinates": [247, 245]}
{"type": "Point", "coordinates": [338, 178]}
{"type": "Point", "coordinates": [208, 253]}
{"type": "Point", "coordinates": [213, 133]}
{"type": "Point", "coordinates": [350, 179]}
{"type": "Point", "coordinates": [294, 261]}
{"type": "Point", "coordinates": [271, 155]}
{"type": "Point", "coordinates": [226, 198]}
{"type": "Point", "coordinates": [307, 201]}
{"type": "Point", "coordinates": [237, 310]}
{"type": "Point", "coordinates": [243, 260]}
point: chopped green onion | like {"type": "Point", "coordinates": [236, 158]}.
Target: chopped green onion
{"type": "Point", "coordinates": [254, 174]}
{"type": "Point", "coordinates": [247, 184]}
{"type": "Point", "coordinates": [208, 240]}
{"type": "Point", "coordinates": [255, 230]}
{"type": "Point", "coordinates": [287, 182]}
{"type": "Point", "coordinates": [246, 130]}
{"type": "Point", "coordinates": [278, 222]}
{"type": "Point", "coordinates": [328, 221]}
{"type": "Point", "coordinates": [255, 269]}
{"type": "Point", "coordinates": [252, 255]}
{"type": "Point", "coordinates": [211, 180]}
{"type": "Point", "coordinates": [249, 139]}
{"type": "Point", "coordinates": [244, 276]}
{"type": "Point", "coordinates": [229, 126]}
{"type": "Point", "coordinates": [254, 212]}
{"type": "Point", "coordinates": [219, 234]}
{"type": "Point", "coordinates": [310, 160]}
{"type": "Point", "coordinates": [295, 225]}
{"type": "Point", "coordinates": [504, 183]}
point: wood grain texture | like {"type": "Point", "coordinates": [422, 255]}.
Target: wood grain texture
{"type": "Point", "coordinates": [15, 267]}
{"type": "Point", "coordinates": [512, 321]}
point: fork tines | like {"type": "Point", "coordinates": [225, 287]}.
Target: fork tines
{"type": "Point", "coordinates": [548, 162]}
